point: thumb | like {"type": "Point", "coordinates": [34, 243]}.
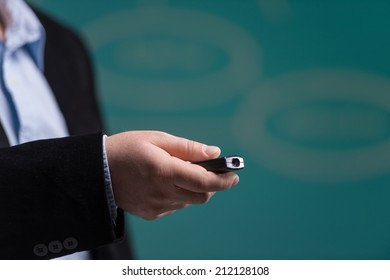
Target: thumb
{"type": "Point", "coordinates": [186, 149]}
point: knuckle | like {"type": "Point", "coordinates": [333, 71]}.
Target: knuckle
{"type": "Point", "coordinates": [211, 183]}
{"type": "Point", "coordinates": [182, 206]}
{"type": "Point", "coordinates": [152, 210]}
{"type": "Point", "coordinates": [146, 214]}
{"type": "Point", "coordinates": [224, 182]}
{"type": "Point", "coordinates": [203, 183]}
{"type": "Point", "coordinates": [161, 173]}
{"type": "Point", "coordinates": [190, 147]}
{"type": "Point", "coordinates": [204, 198]}
{"type": "Point", "coordinates": [149, 217]}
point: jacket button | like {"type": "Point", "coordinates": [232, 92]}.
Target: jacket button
{"type": "Point", "coordinates": [70, 243]}
{"type": "Point", "coordinates": [55, 247]}
{"type": "Point", "coordinates": [40, 250]}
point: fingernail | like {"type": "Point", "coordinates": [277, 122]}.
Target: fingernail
{"type": "Point", "coordinates": [211, 150]}
{"type": "Point", "coordinates": [236, 180]}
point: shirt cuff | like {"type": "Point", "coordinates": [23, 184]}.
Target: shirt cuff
{"type": "Point", "coordinates": [107, 181]}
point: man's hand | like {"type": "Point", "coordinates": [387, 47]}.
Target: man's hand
{"type": "Point", "coordinates": [152, 175]}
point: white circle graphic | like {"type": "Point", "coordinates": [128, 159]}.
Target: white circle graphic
{"type": "Point", "coordinates": [188, 43]}
{"type": "Point", "coordinates": [313, 163]}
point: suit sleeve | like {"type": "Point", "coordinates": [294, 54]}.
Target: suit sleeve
{"type": "Point", "coordinates": [53, 200]}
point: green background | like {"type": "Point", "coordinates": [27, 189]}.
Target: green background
{"type": "Point", "coordinates": [301, 89]}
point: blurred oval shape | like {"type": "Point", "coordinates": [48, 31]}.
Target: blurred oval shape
{"type": "Point", "coordinates": [331, 124]}
{"type": "Point", "coordinates": [163, 58]}
{"type": "Point", "coordinates": [325, 125]}
{"type": "Point", "coordinates": [162, 78]}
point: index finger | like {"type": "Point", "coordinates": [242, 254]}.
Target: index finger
{"type": "Point", "coordinates": [195, 178]}
{"type": "Point", "coordinates": [185, 149]}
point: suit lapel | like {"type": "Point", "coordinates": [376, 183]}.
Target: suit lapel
{"type": "Point", "coordinates": [3, 138]}
{"type": "Point", "coordinates": [68, 72]}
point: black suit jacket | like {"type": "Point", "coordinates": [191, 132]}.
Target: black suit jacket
{"type": "Point", "coordinates": [52, 193]}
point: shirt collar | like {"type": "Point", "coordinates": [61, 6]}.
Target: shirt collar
{"type": "Point", "coordinates": [24, 30]}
